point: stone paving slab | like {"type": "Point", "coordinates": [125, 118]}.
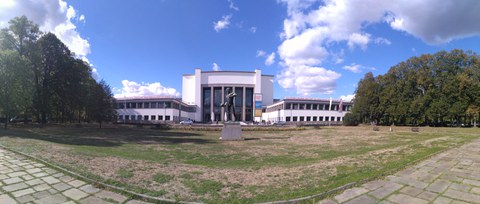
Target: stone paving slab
{"type": "Point", "coordinates": [449, 177]}
{"type": "Point", "coordinates": [25, 181]}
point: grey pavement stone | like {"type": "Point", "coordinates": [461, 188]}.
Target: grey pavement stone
{"type": "Point", "coordinates": [32, 171]}
{"type": "Point", "coordinates": [61, 186]}
{"type": "Point", "coordinates": [402, 198]}
{"type": "Point", "coordinates": [349, 194]}
{"type": "Point", "coordinates": [5, 199]}
{"type": "Point", "coordinates": [40, 174]}
{"type": "Point", "coordinates": [41, 194]}
{"type": "Point", "coordinates": [411, 182]}
{"type": "Point", "coordinates": [326, 201]}
{"type": "Point", "coordinates": [66, 178]}
{"type": "Point", "coordinates": [442, 200]}
{"type": "Point", "coordinates": [26, 177]}
{"type": "Point", "coordinates": [50, 180]}
{"type": "Point", "coordinates": [362, 199]}
{"type": "Point", "coordinates": [23, 192]}
{"type": "Point", "coordinates": [93, 200]}
{"type": "Point", "coordinates": [76, 183]}
{"type": "Point", "coordinates": [472, 182]}
{"type": "Point", "coordinates": [476, 190]}
{"type": "Point", "coordinates": [25, 199]}
{"type": "Point", "coordinates": [111, 195]}
{"type": "Point", "coordinates": [427, 195]}
{"type": "Point", "coordinates": [70, 202]}
{"type": "Point", "coordinates": [460, 187]}
{"type": "Point", "coordinates": [90, 189]}
{"type": "Point", "coordinates": [42, 187]}
{"type": "Point", "coordinates": [438, 186]}
{"type": "Point", "coordinates": [75, 194]}
{"type": "Point", "coordinates": [14, 187]}
{"type": "Point", "coordinates": [34, 182]}
{"type": "Point", "coordinates": [386, 190]}
{"type": "Point", "coordinates": [12, 180]}
{"type": "Point", "coordinates": [459, 195]}
{"type": "Point", "coordinates": [54, 199]}
{"type": "Point", "coordinates": [17, 174]}
{"type": "Point", "coordinates": [374, 184]}
{"type": "Point", "coordinates": [458, 202]}
{"type": "Point", "coordinates": [411, 191]}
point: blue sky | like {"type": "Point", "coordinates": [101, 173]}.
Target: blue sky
{"type": "Point", "coordinates": [314, 48]}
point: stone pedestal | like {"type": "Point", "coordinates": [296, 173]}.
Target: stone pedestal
{"type": "Point", "coordinates": [231, 131]}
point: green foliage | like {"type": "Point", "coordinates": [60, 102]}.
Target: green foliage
{"type": "Point", "coordinates": [42, 79]}
{"type": "Point", "coordinates": [440, 89]}
{"type": "Point", "coordinates": [203, 186]}
{"type": "Point", "coordinates": [350, 120]}
{"type": "Point", "coordinates": [123, 173]}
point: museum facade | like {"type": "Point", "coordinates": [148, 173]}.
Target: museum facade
{"type": "Point", "coordinates": [204, 91]}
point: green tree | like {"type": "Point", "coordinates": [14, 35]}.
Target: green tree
{"type": "Point", "coordinates": [15, 84]}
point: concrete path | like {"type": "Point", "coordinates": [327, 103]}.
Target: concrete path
{"type": "Point", "coordinates": [450, 177]}
{"type": "Point", "coordinates": [26, 181]}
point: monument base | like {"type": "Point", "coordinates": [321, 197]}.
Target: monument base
{"type": "Point", "coordinates": [231, 131]}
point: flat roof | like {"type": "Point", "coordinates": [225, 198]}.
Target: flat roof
{"type": "Point", "coordinates": [227, 71]}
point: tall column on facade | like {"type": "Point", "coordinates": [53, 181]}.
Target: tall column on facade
{"type": "Point", "coordinates": [222, 111]}
{"type": "Point", "coordinates": [212, 114]}
{"type": "Point", "coordinates": [243, 103]}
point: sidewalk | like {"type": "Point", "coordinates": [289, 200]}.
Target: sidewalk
{"type": "Point", "coordinates": [26, 181]}
{"type": "Point", "coordinates": [450, 177]}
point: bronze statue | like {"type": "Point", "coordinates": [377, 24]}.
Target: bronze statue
{"type": "Point", "coordinates": [229, 104]}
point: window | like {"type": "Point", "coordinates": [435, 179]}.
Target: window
{"type": "Point", "coordinates": [315, 107]}
{"type": "Point", "coordinates": [302, 118]}
{"type": "Point", "coordinates": [287, 118]}
{"type": "Point", "coordinates": [320, 118]}
{"type": "Point", "coordinates": [139, 117]}
{"type": "Point", "coordinates": [288, 106]}
{"type": "Point", "coordinates": [146, 105]}
{"type": "Point", "coordinates": [309, 106]}
{"type": "Point", "coordinates": [139, 105]}
{"type": "Point", "coordinates": [326, 118]}
{"type": "Point", "coordinates": [321, 107]}
{"type": "Point", "coordinates": [295, 106]}
{"type": "Point", "coordinates": [302, 106]}
{"type": "Point", "coordinates": [145, 117]}
{"type": "Point", "coordinates": [167, 117]}
{"type": "Point", "coordinates": [308, 118]}
{"type": "Point", "coordinates": [153, 105]}
{"type": "Point", "coordinates": [314, 118]}
{"type": "Point", "coordinates": [120, 117]}
{"type": "Point", "coordinates": [127, 117]}
{"type": "Point", "coordinates": [294, 118]}
{"type": "Point", "coordinates": [152, 117]}
{"type": "Point", "coordinates": [332, 118]}
{"type": "Point", "coordinates": [338, 118]}
{"type": "Point", "coordinates": [160, 117]}
{"type": "Point", "coordinates": [132, 117]}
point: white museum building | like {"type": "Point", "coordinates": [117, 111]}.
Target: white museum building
{"type": "Point", "coordinates": [204, 91]}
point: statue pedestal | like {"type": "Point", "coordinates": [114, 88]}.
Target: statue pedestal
{"type": "Point", "coordinates": [231, 131]}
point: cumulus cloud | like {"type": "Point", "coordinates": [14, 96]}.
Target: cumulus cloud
{"type": "Point", "coordinates": [312, 27]}
{"type": "Point", "coordinates": [131, 89]}
{"type": "Point", "coordinates": [308, 80]}
{"type": "Point", "coordinates": [215, 67]}
{"type": "Point", "coordinates": [232, 5]}
{"type": "Point", "coordinates": [253, 29]}
{"type": "Point", "coordinates": [261, 53]}
{"type": "Point", "coordinates": [357, 68]}
{"type": "Point", "coordinates": [348, 98]}
{"type": "Point", "coordinates": [52, 16]}
{"type": "Point", "coordinates": [222, 24]}
{"type": "Point", "coordinates": [270, 59]}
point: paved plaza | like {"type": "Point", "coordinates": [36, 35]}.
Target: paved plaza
{"type": "Point", "coordinates": [450, 177]}
{"type": "Point", "coordinates": [25, 181]}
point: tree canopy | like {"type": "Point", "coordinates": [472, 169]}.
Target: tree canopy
{"type": "Point", "coordinates": [42, 80]}
{"type": "Point", "coordinates": [440, 89]}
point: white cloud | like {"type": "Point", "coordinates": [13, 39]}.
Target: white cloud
{"type": "Point", "coordinates": [355, 68]}
{"type": "Point", "coordinates": [253, 29]}
{"type": "Point", "coordinates": [53, 16]}
{"type": "Point", "coordinates": [308, 80]}
{"type": "Point", "coordinates": [81, 18]}
{"type": "Point", "coordinates": [347, 98]}
{"type": "Point", "coordinates": [222, 24]}
{"type": "Point", "coordinates": [261, 53]}
{"type": "Point", "coordinates": [232, 5]}
{"type": "Point", "coordinates": [312, 27]}
{"type": "Point", "coordinates": [131, 89]}
{"type": "Point", "coordinates": [215, 67]}
{"type": "Point", "coordinates": [270, 59]}
{"type": "Point", "coordinates": [381, 41]}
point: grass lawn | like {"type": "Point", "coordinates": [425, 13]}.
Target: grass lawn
{"type": "Point", "coordinates": [268, 166]}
